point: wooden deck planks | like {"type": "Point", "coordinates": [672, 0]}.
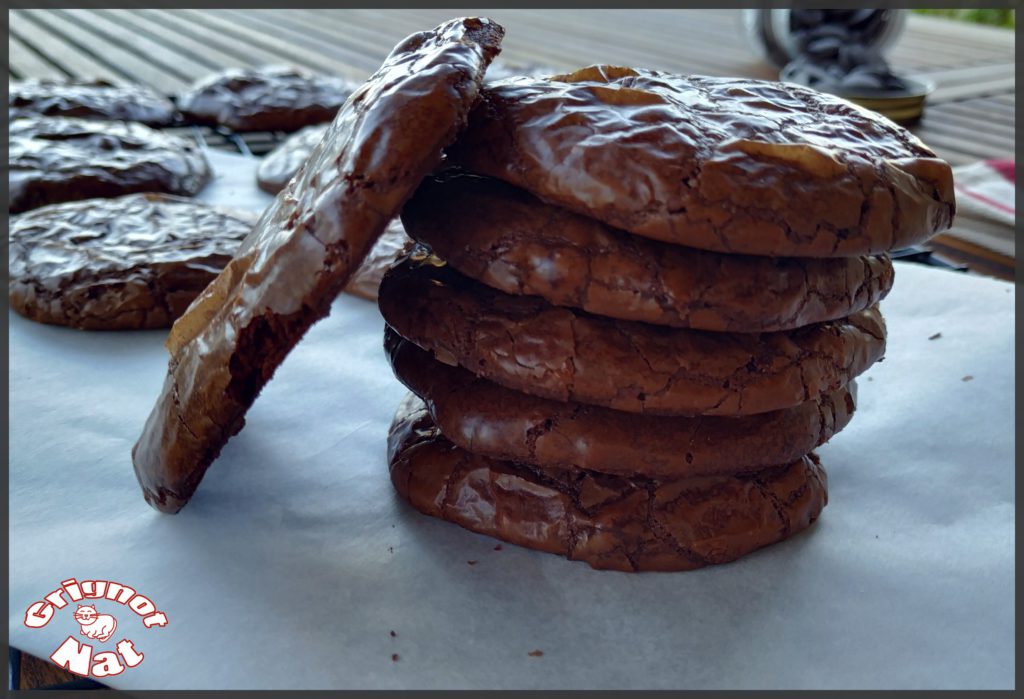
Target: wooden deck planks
{"type": "Point", "coordinates": [126, 42]}
{"type": "Point", "coordinates": [159, 31]}
{"type": "Point", "coordinates": [59, 51]}
{"type": "Point", "coordinates": [964, 60]}
{"type": "Point", "coordinates": [115, 58]}
{"type": "Point", "coordinates": [24, 61]}
{"type": "Point", "coordinates": [969, 116]}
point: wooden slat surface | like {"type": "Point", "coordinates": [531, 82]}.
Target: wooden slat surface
{"type": "Point", "coordinates": [970, 115]}
{"type": "Point", "coordinates": [955, 55]}
{"type": "Point", "coordinates": [973, 67]}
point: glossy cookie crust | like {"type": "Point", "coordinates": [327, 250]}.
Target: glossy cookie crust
{"type": "Point", "coordinates": [272, 98]}
{"type": "Point", "coordinates": [614, 523]}
{"type": "Point", "coordinates": [133, 262]}
{"type": "Point", "coordinates": [388, 249]}
{"type": "Point", "coordinates": [510, 240]}
{"type": "Point", "coordinates": [724, 164]}
{"type": "Point", "coordinates": [55, 159]}
{"type": "Point", "coordinates": [280, 165]}
{"type": "Point", "coordinates": [304, 249]}
{"type": "Point", "coordinates": [89, 99]}
{"type": "Point", "coordinates": [487, 419]}
{"type": "Point", "coordinates": [526, 344]}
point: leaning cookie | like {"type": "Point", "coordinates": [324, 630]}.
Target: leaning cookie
{"type": "Point", "coordinates": [487, 419]}
{"type": "Point", "coordinates": [272, 98]}
{"type": "Point", "coordinates": [526, 344]}
{"type": "Point", "coordinates": [305, 248]}
{"type": "Point", "coordinates": [623, 523]}
{"type": "Point", "coordinates": [510, 240]}
{"type": "Point", "coordinates": [56, 159]}
{"type": "Point", "coordinates": [89, 99]}
{"type": "Point", "coordinates": [128, 263]}
{"type": "Point", "coordinates": [724, 164]}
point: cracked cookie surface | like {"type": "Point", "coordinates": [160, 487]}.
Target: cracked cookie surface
{"type": "Point", "coordinates": [89, 99]}
{"type": "Point", "coordinates": [132, 262]}
{"type": "Point", "coordinates": [271, 98]}
{"type": "Point", "coordinates": [616, 523]}
{"type": "Point", "coordinates": [510, 240]}
{"type": "Point", "coordinates": [724, 164]}
{"type": "Point", "coordinates": [487, 419]}
{"type": "Point", "coordinates": [56, 159]}
{"type": "Point", "coordinates": [304, 249]}
{"type": "Point", "coordinates": [526, 344]}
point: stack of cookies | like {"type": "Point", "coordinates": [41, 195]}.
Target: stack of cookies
{"type": "Point", "coordinates": [638, 303]}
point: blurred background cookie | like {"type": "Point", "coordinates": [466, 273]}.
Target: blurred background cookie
{"type": "Point", "coordinates": [117, 264]}
{"type": "Point", "coordinates": [390, 246]}
{"type": "Point", "coordinates": [280, 165]}
{"type": "Point", "coordinates": [272, 98]}
{"type": "Point", "coordinates": [55, 159]}
{"type": "Point", "coordinates": [89, 99]}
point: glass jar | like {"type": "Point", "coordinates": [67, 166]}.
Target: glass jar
{"type": "Point", "coordinates": [771, 32]}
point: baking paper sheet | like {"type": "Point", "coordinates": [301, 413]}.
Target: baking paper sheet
{"type": "Point", "coordinates": [295, 561]}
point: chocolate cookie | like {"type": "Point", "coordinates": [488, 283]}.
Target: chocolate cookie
{"type": "Point", "coordinates": [89, 99]}
{"type": "Point", "coordinates": [281, 164]}
{"type": "Point", "coordinates": [526, 344]}
{"type": "Point", "coordinates": [63, 159]}
{"type": "Point", "coordinates": [614, 523]}
{"type": "Point", "coordinates": [304, 249]}
{"type": "Point", "coordinates": [114, 264]}
{"type": "Point", "coordinates": [384, 253]}
{"type": "Point", "coordinates": [509, 239]}
{"type": "Point", "coordinates": [487, 419]}
{"type": "Point", "coordinates": [273, 98]}
{"type": "Point", "coordinates": [724, 164]}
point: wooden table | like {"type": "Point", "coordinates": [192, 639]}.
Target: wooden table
{"type": "Point", "coordinates": [970, 116]}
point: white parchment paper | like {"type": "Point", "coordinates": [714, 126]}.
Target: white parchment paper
{"type": "Point", "coordinates": [295, 560]}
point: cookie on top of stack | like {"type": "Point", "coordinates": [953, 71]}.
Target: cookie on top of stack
{"type": "Point", "coordinates": [639, 302]}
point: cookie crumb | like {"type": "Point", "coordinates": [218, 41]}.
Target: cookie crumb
{"type": "Point", "coordinates": [936, 336]}
{"type": "Point", "coordinates": [536, 653]}
{"type": "Point", "coordinates": [498, 547]}
{"type": "Point", "coordinates": [394, 657]}
{"type": "Point", "coordinates": [967, 378]}
{"type": "Point", "coordinates": [393, 634]}
{"type": "Point", "coordinates": [471, 563]}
